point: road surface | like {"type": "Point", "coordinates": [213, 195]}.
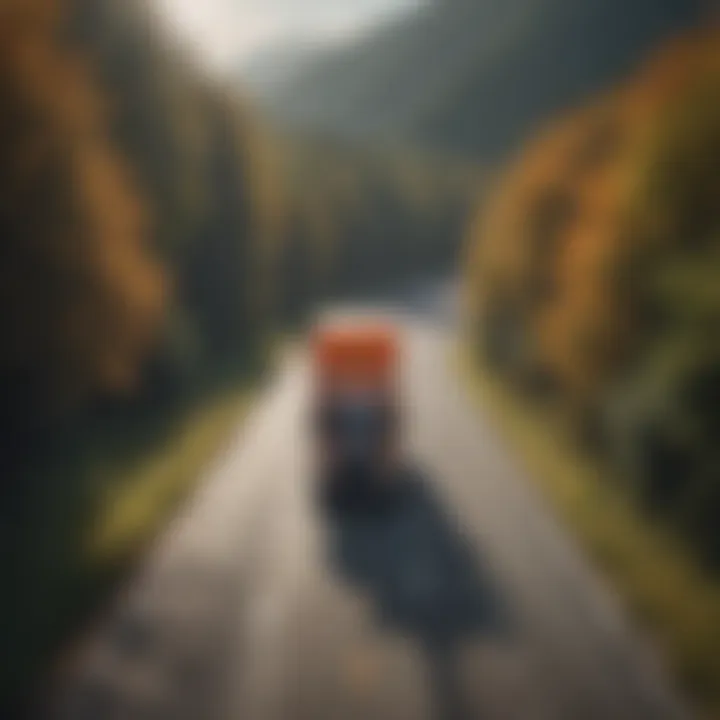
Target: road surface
{"type": "Point", "coordinates": [466, 601]}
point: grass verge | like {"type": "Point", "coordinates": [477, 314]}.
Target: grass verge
{"type": "Point", "coordinates": [665, 588]}
{"type": "Point", "coordinates": [96, 515]}
{"type": "Point", "coordinates": [132, 507]}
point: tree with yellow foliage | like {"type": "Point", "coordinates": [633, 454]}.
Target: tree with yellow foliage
{"type": "Point", "coordinates": [81, 296]}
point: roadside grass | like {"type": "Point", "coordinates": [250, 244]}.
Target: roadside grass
{"type": "Point", "coordinates": [98, 511]}
{"type": "Point", "coordinates": [666, 590]}
{"type": "Point", "coordinates": [141, 494]}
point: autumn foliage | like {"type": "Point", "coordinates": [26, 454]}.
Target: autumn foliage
{"type": "Point", "coordinates": [592, 278]}
{"type": "Point", "coordinates": [82, 296]}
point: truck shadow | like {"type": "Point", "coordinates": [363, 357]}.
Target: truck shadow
{"type": "Point", "coordinates": [424, 581]}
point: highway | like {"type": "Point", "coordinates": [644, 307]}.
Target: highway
{"type": "Point", "coordinates": [465, 600]}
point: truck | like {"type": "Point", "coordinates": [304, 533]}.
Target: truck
{"type": "Point", "coordinates": [356, 410]}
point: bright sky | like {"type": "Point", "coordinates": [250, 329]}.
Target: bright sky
{"type": "Point", "coordinates": [226, 32]}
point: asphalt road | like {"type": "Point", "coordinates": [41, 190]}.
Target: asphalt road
{"type": "Point", "coordinates": [467, 600]}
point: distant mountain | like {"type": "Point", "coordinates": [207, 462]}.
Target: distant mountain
{"type": "Point", "coordinates": [476, 75]}
{"type": "Point", "coordinates": [270, 70]}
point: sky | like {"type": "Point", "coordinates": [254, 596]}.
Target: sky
{"type": "Point", "coordinates": [227, 33]}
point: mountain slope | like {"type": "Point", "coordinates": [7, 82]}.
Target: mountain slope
{"type": "Point", "coordinates": [277, 65]}
{"type": "Point", "coordinates": [476, 75]}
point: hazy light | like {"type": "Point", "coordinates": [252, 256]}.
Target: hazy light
{"type": "Point", "coordinates": [226, 33]}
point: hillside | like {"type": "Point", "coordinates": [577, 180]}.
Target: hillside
{"type": "Point", "coordinates": [592, 298]}
{"type": "Point", "coordinates": [476, 76]}
{"type": "Point", "coordinates": [592, 280]}
{"type": "Point", "coordinates": [275, 66]}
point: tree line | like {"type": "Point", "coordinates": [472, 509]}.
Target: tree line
{"type": "Point", "coordinates": [363, 220]}
{"type": "Point", "coordinates": [592, 281]}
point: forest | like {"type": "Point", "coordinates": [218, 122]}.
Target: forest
{"type": "Point", "coordinates": [165, 220]}
{"type": "Point", "coordinates": [592, 282]}
{"type": "Point", "coordinates": [158, 239]}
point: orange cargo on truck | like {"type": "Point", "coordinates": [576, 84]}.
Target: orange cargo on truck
{"type": "Point", "coordinates": [361, 355]}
